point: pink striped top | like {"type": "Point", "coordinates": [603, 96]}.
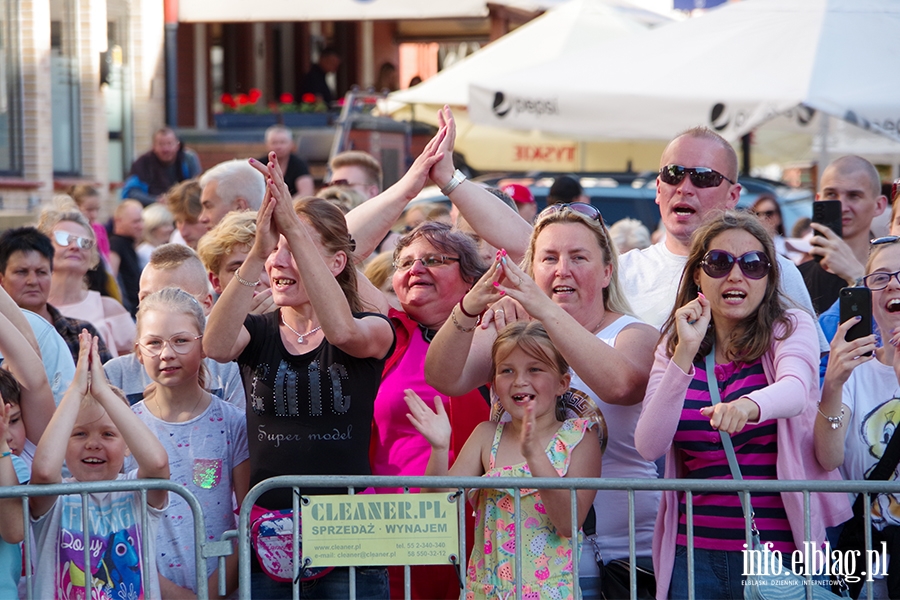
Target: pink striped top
{"type": "Point", "coordinates": [718, 518]}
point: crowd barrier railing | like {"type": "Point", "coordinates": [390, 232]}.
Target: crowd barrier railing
{"type": "Point", "coordinates": [202, 548]}
{"type": "Point", "coordinates": [307, 484]}
{"type": "Point", "coordinates": [355, 484]}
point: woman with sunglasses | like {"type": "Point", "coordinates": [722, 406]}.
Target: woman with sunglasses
{"type": "Point", "coordinates": [766, 358]}
{"type": "Point", "coordinates": [768, 212]}
{"type": "Point", "coordinates": [570, 284]}
{"type": "Point", "coordinates": [75, 254]}
{"type": "Point", "coordinates": [861, 395]}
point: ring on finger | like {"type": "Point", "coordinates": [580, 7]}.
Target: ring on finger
{"type": "Point", "coordinates": [499, 311]}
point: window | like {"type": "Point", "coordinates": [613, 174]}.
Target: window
{"type": "Point", "coordinates": [65, 88]}
{"type": "Point", "coordinates": [10, 90]}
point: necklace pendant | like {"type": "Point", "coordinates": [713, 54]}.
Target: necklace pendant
{"type": "Point", "coordinates": [300, 339]}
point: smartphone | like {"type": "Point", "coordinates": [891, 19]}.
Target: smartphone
{"type": "Point", "coordinates": [828, 213]}
{"type": "Point", "coordinates": [857, 301]}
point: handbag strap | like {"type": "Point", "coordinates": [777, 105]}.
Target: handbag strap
{"type": "Point", "coordinates": [726, 438]}
{"type": "Point", "coordinates": [883, 470]}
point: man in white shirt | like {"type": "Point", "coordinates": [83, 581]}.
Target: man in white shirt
{"type": "Point", "coordinates": [698, 176]}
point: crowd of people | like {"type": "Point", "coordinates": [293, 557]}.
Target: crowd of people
{"type": "Point", "coordinates": [221, 332]}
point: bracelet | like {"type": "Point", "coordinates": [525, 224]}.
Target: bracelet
{"type": "Point", "coordinates": [242, 281]}
{"type": "Point", "coordinates": [463, 310]}
{"type": "Point", "coordinates": [836, 422]}
{"type": "Point", "coordinates": [5, 454]}
{"type": "Point", "coordinates": [458, 178]}
{"type": "Point", "coordinates": [460, 327]}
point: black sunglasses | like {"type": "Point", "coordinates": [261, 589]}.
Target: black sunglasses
{"type": "Point", "coordinates": [718, 264]}
{"type": "Point", "coordinates": [586, 210]}
{"type": "Point", "coordinates": [701, 177]}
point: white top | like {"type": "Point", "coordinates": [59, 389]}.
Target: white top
{"type": "Point", "coordinates": [55, 354]}
{"type": "Point", "coordinates": [202, 453]}
{"type": "Point", "coordinates": [115, 541]}
{"type": "Point", "coordinates": [620, 459]}
{"type": "Point", "coordinates": [650, 280]}
{"type": "Point", "coordinates": [873, 396]}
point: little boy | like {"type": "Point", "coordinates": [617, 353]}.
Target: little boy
{"type": "Point", "coordinates": [92, 430]}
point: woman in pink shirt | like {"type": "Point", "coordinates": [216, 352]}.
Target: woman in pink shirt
{"type": "Point", "coordinates": [766, 358]}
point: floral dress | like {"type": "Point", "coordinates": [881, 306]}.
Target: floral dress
{"type": "Point", "coordinates": [547, 556]}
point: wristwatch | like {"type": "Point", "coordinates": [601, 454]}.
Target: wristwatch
{"type": "Point", "coordinates": [458, 178]}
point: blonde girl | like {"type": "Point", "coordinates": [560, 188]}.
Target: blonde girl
{"type": "Point", "coordinates": [204, 436]}
{"type": "Point", "coordinates": [530, 377]}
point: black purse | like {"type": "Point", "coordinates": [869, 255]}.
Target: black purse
{"type": "Point", "coordinates": [853, 535]}
{"type": "Point", "coordinates": [615, 576]}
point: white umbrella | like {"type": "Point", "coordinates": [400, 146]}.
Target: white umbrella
{"type": "Point", "coordinates": [731, 69]}
{"type": "Point", "coordinates": [574, 27]}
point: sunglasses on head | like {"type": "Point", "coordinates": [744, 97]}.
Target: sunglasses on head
{"type": "Point", "coordinates": [65, 239]}
{"type": "Point", "coordinates": [888, 239]}
{"type": "Point", "coordinates": [586, 210]}
{"type": "Point", "coordinates": [718, 264]}
{"type": "Point", "coordinates": [701, 177]}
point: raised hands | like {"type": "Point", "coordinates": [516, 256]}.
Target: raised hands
{"type": "Point", "coordinates": [434, 426]}
{"type": "Point", "coordinates": [517, 285]}
{"type": "Point", "coordinates": [691, 323]}
{"type": "Point", "coordinates": [443, 170]}
{"type": "Point", "coordinates": [846, 356]}
{"type": "Point", "coordinates": [415, 178]}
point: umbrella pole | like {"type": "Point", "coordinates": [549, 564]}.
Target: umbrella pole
{"type": "Point", "coordinates": [745, 154]}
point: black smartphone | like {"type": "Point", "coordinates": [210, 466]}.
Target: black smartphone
{"type": "Point", "coordinates": [828, 213]}
{"type": "Point", "coordinates": [857, 301]}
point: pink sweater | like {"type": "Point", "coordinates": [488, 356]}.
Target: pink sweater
{"type": "Point", "coordinates": [792, 397]}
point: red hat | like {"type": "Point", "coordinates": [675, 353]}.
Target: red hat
{"type": "Point", "coordinates": [519, 193]}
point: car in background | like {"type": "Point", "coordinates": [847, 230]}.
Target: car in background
{"type": "Point", "coordinates": [621, 195]}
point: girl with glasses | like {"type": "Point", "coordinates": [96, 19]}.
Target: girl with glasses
{"type": "Point", "coordinates": [204, 437]}
{"type": "Point", "coordinates": [861, 397]}
{"type": "Point", "coordinates": [766, 358]}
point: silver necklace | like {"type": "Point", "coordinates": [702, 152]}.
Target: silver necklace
{"type": "Point", "coordinates": [300, 336]}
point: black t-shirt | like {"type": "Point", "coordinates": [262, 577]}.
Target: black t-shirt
{"type": "Point", "coordinates": [296, 167]}
{"type": "Point", "coordinates": [824, 287]}
{"type": "Point", "coordinates": [308, 414]}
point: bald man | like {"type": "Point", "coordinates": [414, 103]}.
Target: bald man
{"type": "Point", "coordinates": [855, 182]}
{"type": "Point", "coordinates": [697, 177]}
{"type": "Point", "coordinates": [175, 265]}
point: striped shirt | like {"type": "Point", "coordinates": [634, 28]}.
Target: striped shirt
{"type": "Point", "coordinates": [718, 518]}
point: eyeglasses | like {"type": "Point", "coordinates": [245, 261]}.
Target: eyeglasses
{"type": "Point", "coordinates": [879, 281]}
{"type": "Point", "coordinates": [718, 264]}
{"type": "Point", "coordinates": [765, 214]}
{"type": "Point", "coordinates": [429, 261]}
{"type": "Point", "coordinates": [65, 239]}
{"type": "Point", "coordinates": [881, 241]}
{"type": "Point", "coordinates": [701, 177]}
{"type": "Point", "coordinates": [586, 210]}
{"type": "Point", "coordinates": [181, 343]}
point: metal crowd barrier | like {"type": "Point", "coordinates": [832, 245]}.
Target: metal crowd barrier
{"type": "Point", "coordinates": [355, 484]}
{"type": "Point", "coordinates": [204, 549]}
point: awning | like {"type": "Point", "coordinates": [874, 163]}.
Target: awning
{"type": "Point", "coordinates": [223, 11]}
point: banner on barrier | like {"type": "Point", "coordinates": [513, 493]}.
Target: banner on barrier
{"type": "Point", "coordinates": [380, 530]}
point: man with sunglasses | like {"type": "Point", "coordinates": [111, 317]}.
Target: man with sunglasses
{"type": "Point", "coordinates": [855, 182]}
{"type": "Point", "coordinates": [358, 170]}
{"type": "Point", "coordinates": [697, 177]}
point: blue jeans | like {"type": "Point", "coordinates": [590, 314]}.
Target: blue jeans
{"type": "Point", "coordinates": [718, 575]}
{"type": "Point", "coordinates": [371, 584]}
